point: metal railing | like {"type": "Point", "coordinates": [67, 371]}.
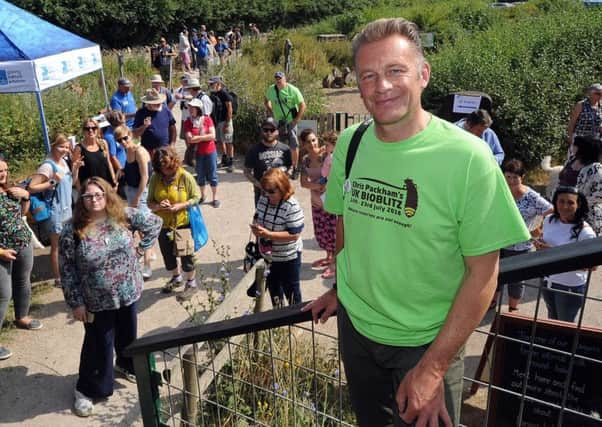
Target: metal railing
{"type": "Point", "coordinates": [275, 367]}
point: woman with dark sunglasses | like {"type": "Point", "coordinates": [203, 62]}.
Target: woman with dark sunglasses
{"type": "Point", "coordinates": [277, 224]}
{"type": "Point", "coordinates": [91, 156]}
{"type": "Point", "coordinates": [136, 173]}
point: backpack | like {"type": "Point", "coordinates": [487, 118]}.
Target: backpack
{"type": "Point", "coordinates": [234, 102]}
{"type": "Point", "coordinates": [218, 105]}
{"type": "Point", "coordinates": [353, 146]}
{"type": "Point", "coordinates": [40, 203]}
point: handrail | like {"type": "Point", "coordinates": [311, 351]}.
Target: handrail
{"type": "Point", "coordinates": [559, 259]}
{"type": "Point", "coordinates": [226, 328]}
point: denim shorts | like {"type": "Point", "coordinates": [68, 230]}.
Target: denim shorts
{"type": "Point", "coordinates": [130, 194]}
{"type": "Point", "coordinates": [206, 169]}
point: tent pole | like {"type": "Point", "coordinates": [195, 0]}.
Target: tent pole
{"type": "Point", "coordinates": [43, 119]}
{"type": "Point", "coordinates": [104, 87]}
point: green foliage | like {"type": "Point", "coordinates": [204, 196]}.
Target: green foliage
{"type": "Point", "coordinates": [534, 69]}
{"type": "Point", "coordinates": [280, 390]}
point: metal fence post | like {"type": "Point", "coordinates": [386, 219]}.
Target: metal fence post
{"type": "Point", "coordinates": [142, 368]}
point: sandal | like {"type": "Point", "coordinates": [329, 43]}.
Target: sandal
{"type": "Point", "coordinates": [328, 274]}
{"type": "Point", "coordinates": [324, 262]}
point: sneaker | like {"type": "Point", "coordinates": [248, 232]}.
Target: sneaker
{"type": "Point", "coordinates": [32, 325]}
{"type": "Point", "coordinates": [295, 173]}
{"type": "Point", "coordinates": [216, 203]}
{"type": "Point", "coordinates": [147, 272]}
{"type": "Point", "coordinates": [124, 373]}
{"type": "Point", "coordinates": [83, 406]}
{"type": "Point", "coordinates": [188, 293]}
{"type": "Point", "coordinates": [230, 167]}
{"type": "Point", "coordinates": [174, 282]}
{"type": "Point", "coordinates": [224, 162]}
{"type": "Point", "coordinates": [5, 353]}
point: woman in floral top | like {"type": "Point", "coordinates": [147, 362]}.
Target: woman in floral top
{"type": "Point", "coordinates": [102, 282]}
{"type": "Point", "coordinates": [530, 205]}
{"type": "Point", "coordinates": [16, 255]}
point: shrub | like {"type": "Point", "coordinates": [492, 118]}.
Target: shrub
{"type": "Point", "coordinates": [534, 70]}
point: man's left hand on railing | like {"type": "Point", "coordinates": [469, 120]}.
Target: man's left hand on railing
{"type": "Point", "coordinates": [323, 307]}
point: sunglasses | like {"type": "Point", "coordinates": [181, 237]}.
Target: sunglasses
{"type": "Point", "coordinates": [123, 138]}
{"type": "Point", "coordinates": [93, 196]}
{"type": "Point", "coordinates": [89, 128]}
{"type": "Point", "coordinates": [270, 190]}
{"type": "Point", "coordinates": [268, 130]}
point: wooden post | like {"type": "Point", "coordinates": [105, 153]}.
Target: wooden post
{"type": "Point", "coordinates": [259, 301]}
{"type": "Point", "coordinates": [120, 63]}
{"type": "Point", "coordinates": [191, 388]}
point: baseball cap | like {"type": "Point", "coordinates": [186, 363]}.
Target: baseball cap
{"type": "Point", "coordinates": [279, 74]}
{"type": "Point", "coordinates": [124, 82]}
{"type": "Point", "coordinates": [215, 79]}
{"type": "Point", "coordinates": [269, 121]}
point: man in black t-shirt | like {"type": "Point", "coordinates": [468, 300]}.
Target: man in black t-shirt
{"type": "Point", "coordinates": [265, 155]}
{"type": "Point", "coordinates": [222, 117]}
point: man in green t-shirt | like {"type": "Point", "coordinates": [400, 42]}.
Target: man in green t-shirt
{"type": "Point", "coordinates": [285, 103]}
{"type": "Point", "coordinates": [421, 219]}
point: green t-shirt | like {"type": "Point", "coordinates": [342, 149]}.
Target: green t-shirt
{"type": "Point", "coordinates": [290, 97]}
{"type": "Point", "coordinates": [412, 211]}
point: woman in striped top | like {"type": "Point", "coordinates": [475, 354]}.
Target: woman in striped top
{"type": "Point", "coordinates": [278, 223]}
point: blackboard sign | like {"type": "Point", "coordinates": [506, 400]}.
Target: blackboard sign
{"type": "Point", "coordinates": [547, 374]}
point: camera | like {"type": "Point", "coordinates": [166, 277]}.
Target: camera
{"type": "Point", "coordinates": [265, 246]}
{"type": "Point", "coordinates": [282, 128]}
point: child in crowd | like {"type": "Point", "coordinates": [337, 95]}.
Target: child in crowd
{"type": "Point", "coordinates": [314, 177]}
{"type": "Point", "coordinates": [330, 141]}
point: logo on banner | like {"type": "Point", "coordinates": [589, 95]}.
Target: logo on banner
{"type": "Point", "coordinates": [80, 62]}
{"type": "Point", "coordinates": [45, 73]}
{"type": "Point", "coordinates": [3, 78]}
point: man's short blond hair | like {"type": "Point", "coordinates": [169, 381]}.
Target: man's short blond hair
{"type": "Point", "coordinates": [385, 27]}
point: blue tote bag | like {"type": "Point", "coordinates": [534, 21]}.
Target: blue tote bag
{"type": "Point", "coordinates": [198, 227]}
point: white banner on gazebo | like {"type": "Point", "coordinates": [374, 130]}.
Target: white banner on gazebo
{"type": "Point", "coordinates": [40, 74]}
{"type": "Point", "coordinates": [56, 69]}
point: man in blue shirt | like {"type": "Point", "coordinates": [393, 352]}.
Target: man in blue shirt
{"type": "Point", "coordinates": [154, 123]}
{"type": "Point", "coordinates": [123, 100]}
{"type": "Point", "coordinates": [478, 123]}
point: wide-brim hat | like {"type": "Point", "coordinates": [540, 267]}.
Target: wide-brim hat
{"type": "Point", "coordinates": [596, 87]}
{"type": "Point", "coordinates": [195, 102]}
{"type": "Point", "coordinates": [156, 78]}
{"type": "Point", "coordinates": [152, 96]}
{"type": "Point", "coordinates": [192, 83]}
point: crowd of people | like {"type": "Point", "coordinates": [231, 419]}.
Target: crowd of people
{"type": "Point", "coordinates": [375, 210]}
{"type": "Point", "coordinates": [198, 48]}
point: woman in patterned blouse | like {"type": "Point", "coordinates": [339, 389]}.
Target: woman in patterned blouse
{"type": "Point", "coordinates": [16, 255]}
{"type": "Point", "coordinates": [532, 206]}
{"type": "Point", "coordinates": [102, 282]}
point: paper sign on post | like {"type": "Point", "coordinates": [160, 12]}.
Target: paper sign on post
{"type": "Point", "coordinates": [466, 104]}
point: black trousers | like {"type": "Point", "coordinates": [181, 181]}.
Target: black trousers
{"type": "Point", "coordinates": [111, 329]}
